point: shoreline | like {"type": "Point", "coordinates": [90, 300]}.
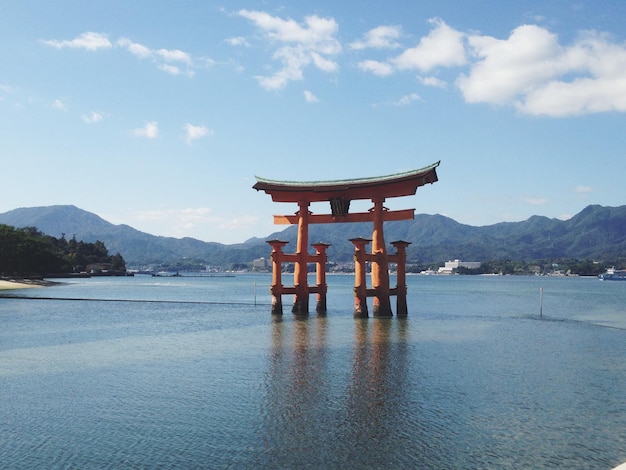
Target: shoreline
{"type": "Point", "coordinates": [11, 283]}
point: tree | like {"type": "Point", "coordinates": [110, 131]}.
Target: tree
{"type": "Point", "coordinates": [28, 252]}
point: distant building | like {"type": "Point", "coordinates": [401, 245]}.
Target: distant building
{"type": "Point", "coordinates": [451, 266]}
{"type": "Point", "coordinates": [98, 268]}
{"type": "Point", "coordinates": [260, 263]}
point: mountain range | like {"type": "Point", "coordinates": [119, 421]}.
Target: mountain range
{"type": "Point", "coordinates": [597, 232]}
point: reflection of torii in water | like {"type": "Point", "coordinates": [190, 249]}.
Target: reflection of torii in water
{"type": "Point", "coordinates": [339, 193]}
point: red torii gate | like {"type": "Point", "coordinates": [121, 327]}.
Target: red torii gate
{"type": "Point", "coordinates": [340, 193]}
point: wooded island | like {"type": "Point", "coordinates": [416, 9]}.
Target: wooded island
{"type": "Point", "coordinates": [27, 252]}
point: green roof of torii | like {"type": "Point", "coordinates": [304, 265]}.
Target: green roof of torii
{"type": "Point", "coordinates": [398, 184]}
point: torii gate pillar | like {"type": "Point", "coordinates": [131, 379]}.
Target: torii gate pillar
{"type": "Point", "coordinates": [360, 285]}
{"type": "Point", "coordinates": [301, 298]}
{"type": "Point", "coordinates": [400, 259]}
{"type": "Point", "coordinates": [380, 264]}
{"type": "Point", "coordinates": [276, 289]}
{"type": "Point", "coordinates": [320, 276]}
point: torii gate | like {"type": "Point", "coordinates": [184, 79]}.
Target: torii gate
{"type": "Point", "coordinates": [340, 193]}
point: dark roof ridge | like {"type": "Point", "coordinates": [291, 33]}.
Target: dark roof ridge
{"type": "Point", "coordinates": [352, 181]}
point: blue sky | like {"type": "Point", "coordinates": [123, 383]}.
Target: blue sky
{"type": "Point", "coordinates": [158, 114]}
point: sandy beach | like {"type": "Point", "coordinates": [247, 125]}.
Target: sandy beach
{"type": "Point", "coordinates": [20, 284]}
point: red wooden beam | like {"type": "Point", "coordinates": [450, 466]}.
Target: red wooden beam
{"type": "Point", "coordinates": [405, 214]}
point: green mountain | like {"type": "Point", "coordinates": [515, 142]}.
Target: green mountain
{"type": "Point", "coordinates": [137, 248]}
{"type": "Point", "coordinates": [596, 232]}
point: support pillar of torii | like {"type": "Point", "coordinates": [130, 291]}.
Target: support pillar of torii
{"type": "Point", "coordinates": [340, 193]}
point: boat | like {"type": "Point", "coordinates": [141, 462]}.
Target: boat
{"type": "Point", "coordinates": [166, 274]}
{"type": "Point", "coordinates": [613, 274]}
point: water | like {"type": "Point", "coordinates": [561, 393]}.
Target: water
{"type": "Point", "coordinates": [202, 376]}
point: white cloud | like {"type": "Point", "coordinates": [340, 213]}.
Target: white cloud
{"type": "Point", "coordinates": [191, 221]}
{"type": "Point", "coordinates": [583, 189]}
{"type": "Point", "coordinates": [432, 81]}
{"type": "Point", "coordinates": [581, 96]}
{"type": "Point", "coordinates": [381, 69]}
{"type": "Point", "coordinates": [278, 80]}
{"type": "Point", "coordinates": [238, 41]}
{"type": "Point", "coordinates": [408, 99]}
{"type": "Point", "coordinates": [136, 49]}
{"type": "Point", "coordinates": [310, 97]}
{"type": "Point", "coordinates": [443, 47]}
{"type": "Point", "coordinates": [537, 201]}
{"type": "Point", "coordinates": [149, 131]}
{"type": "Point", "coordinates": [90, 41]}
{"type": "Point", "coordinates": [93, 117]}
{"type": "Point", "coordinates": [323, 63]}
{"type": "Point", "coordinates": [60, 105]}
{"type": "Point", "coordinates": [537, 75]}
{"type": "Point", "coordinates": [316, 31]}
{"type": "Point", "coordinates": [172, 61]}
{"type": "Point", "coordinates": [405, 100]}
{"type": "Point", "coordinates": [6, 90]}
{"type": "Point", "coordinates": [174, 222]}
{"type": "Point", "coordinates": [298, 45]}
{"type": "Point", "coordinates": [507, 67]}
{"type": "Point", "coordinates": [171, 69]}
{"type": "Point", "coordinates": [529, 70]}
{"type": "Point", "coordinates": [381, 37]}
{"type": "Point", "coordinates": [239, 222]}
{"type": "Point", "coordinates": [174, 55]}
{"type": "Point", "coordinates": [196, 132]}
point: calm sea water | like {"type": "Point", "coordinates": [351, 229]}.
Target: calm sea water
{"type": "Point", "coordinates": [196, 373]}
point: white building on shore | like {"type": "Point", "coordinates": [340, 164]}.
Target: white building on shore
{"type": "Point", "coordinates": [260, 263]}
{"type": "Point", "coordinates": [450, 267]}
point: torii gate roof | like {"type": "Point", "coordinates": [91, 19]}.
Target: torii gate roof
{"type": "Point", "coordinates": [395, 185]}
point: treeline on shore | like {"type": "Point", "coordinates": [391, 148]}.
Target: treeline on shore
{"type": "Point", "coordinates": [561, 266]}
{"type": "Point", "coordinates": [27, 252]}
{"type": "Point", "coordinates": [555, 266]}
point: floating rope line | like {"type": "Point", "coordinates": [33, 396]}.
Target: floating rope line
{"type": "Point", "coordinates": [76, 299]}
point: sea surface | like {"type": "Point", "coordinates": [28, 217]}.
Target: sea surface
{"type": "Point", "coordinates": [194, 372]}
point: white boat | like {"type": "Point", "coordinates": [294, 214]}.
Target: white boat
{"type": "Point", "coordinates": [613, 274]}
{"type": "Point", "coordinates": [166, 274]}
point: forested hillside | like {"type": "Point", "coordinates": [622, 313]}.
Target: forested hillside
{"type": "Point", "coordinates": [29, 252]}
{"type": "Point", "coordinates": [596, 233]}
